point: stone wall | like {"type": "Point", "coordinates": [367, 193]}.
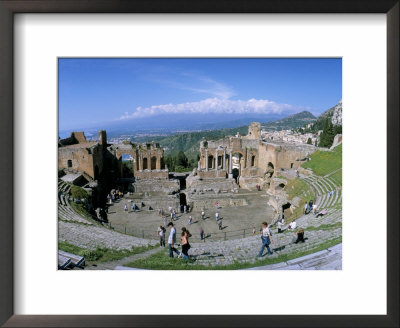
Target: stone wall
{"type": "Point", "coordinates": [161, 185]}
{"type": "Point", "coordinates": [218, 184]}
{"type": "Point", "coordinates": [154, 202]}
{"type": "Point", "coordinates": [200, 204]}
{"type": "Point", "coordinates": [82, 159]}
{"type": "Point", "coordinates": [152, 174]}
{"type": "Point", "coordinates": [211, 174]}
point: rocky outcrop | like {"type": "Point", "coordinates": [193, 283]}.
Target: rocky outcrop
{"type": "Point", "coordinates": [337, 114]}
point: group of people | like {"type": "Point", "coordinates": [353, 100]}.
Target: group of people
{"type": "Point", "coordinates": [185, 235]}
{"type": "Point", "coordinates": [114, 195]}
{"type": "Point", "coordinates": [310, 207]}
{"type": "Point", "coordinates": [134, 207]}
{"type": "Point", "coordinates": [266, 236]}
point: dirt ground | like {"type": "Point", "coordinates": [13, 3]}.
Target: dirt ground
{"type": "Point", "coordinates": [237, 222]}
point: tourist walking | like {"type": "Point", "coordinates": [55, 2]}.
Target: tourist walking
{"type": "Point", "coordinates": [165, 221]}
{"type": "Point", "coordinates": [314, 209]}
{"type": "Point", "coordinates": [160, 235]}
{"type": "Point", "coordinates": [266, 239]}
{"type": "Point", "coordinates": [216, 217]}
{"type": "Point", "coordinates": [126, 208]}
{"type": "Point", "coordinates": [172, 240]}
{"type": "Point", "coordinates": [220, 225]}
{"type": "Point", "coordinates": [184, 209]}
{"type": "Point", "coordinates": [292, 225]}
{"type": "Point", "coordinates": [174, 214]}
{"type": "Point", "coordinates": [254, 230]}
{"type": "Point", "coordinates": [190, 220]}
{"type": "Point", "coordinates": [201, 234]}
{"type": "Point", "coordinates": [202, 215]}
{"type": "Point", "coordinates": [185, 243]}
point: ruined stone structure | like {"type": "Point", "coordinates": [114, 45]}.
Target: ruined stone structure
{"type": "Point", "coordinates": [147, 158]}
{"type": "Point", "coordinates": [99, 161]}
{"type": "Point", "coordinates": [76, 154]}
{"type": "Point", "coordinates": [247, 160]}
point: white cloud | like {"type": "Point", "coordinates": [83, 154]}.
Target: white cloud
{"type": "Point", "coordinates": [215, 105]}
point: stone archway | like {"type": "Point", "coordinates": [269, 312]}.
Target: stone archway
{"type": "Point", "coordinates": [238, 162]}
{"type": "Point", "coordinates": [127, 163]}
{"type": "Point", "coordinates": [145, 166]}
{"type": "Point", "coordinates": [153, 164]}
{"type": "Point", "coordinates": [211, 162]}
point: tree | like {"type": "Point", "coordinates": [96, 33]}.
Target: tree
{"type": "Point", "coordinates": [169, 161]}
{"type": "Point", "coordinates": [327, 135]}
{"type": "Point", "coordinates": [309, 141]}
{"type": "Point", "coordinates": [181, 159]}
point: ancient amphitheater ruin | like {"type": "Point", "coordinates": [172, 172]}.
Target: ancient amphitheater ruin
{"type": "Point", "coordinates": [243, 178]}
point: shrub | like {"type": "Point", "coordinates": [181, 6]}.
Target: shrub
{"type": "Point", "coordinates": [79, 193]}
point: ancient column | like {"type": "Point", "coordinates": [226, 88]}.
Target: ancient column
{"type": "Point", "coordinates": [140, 161]}
{"type": "Point", "coordinates": [223, 162]}
{"type": "Point", "coordinates": [206, 159]}
{"type": "Point", "coordinates": [158, 163]}
{"type": "Point", "coordinates": [216, 159]}
{"type": "Point", "coordinates": [230, 176]}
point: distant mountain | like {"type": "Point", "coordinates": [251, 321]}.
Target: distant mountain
{"type": "Point", "coordinates": [290, 122]}
{"type": "Point", "coordinates": [333, 114]}
{"type": "Point", "coordinates": [173, 123]}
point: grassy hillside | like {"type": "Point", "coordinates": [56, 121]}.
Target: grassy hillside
{"type": "Point", "coordinates": [189, 142]}
{"type": "Point", "coordinates": [291, 122]}
{"type": "Point", "coordinates": [325, 162]}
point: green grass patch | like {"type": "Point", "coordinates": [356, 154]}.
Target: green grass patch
{"type": "Point", "coordinates": [81, 210]}
{"type": "Point", "coordinates": [102, 254]}
{"type": "Point", "coordinates": [324, 227]}
{"type": "Point", "coordinates": [325, 162]}
{"type": "Point", "coordinates": [337, 178]}
{"type": "Point", "coordinates": [298, 188]}
{"type": "Point", "coordinates": [161, 260]}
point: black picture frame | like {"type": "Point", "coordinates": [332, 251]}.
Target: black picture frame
{"type": "Point", "coordinates": [10, 7]}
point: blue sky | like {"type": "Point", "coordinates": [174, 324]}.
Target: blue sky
{"type": "Point", "coordinates": [95, 91]}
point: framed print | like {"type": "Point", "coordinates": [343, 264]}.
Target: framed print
{"type": "Point", "coordinates": [176, 76]}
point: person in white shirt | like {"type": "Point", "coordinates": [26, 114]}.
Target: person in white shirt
{"type": "Point", "coordinates": [202, 215]}
{"type": "Point", "coordinates": [280, 225]}
{"type": "Point", "coordinates": [266, 239]}
{"type": "Point", "coordinates": [314, 209]}
{"type": "Point", "coordinates": [216, 216]}
{"type": "Point", "coordinates": [160, 235]}
{"type": "Point", "coordinates": [293, 225]}
{"type": "Point", "coordinates": [172, 240]}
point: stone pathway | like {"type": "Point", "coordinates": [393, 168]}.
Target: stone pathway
{"type": "Point", "coordinates": [329, 259]}
{"type": "Point", "coordinates": [91, 237]}
{"type": "Point", "coordinates": [120, 263]}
